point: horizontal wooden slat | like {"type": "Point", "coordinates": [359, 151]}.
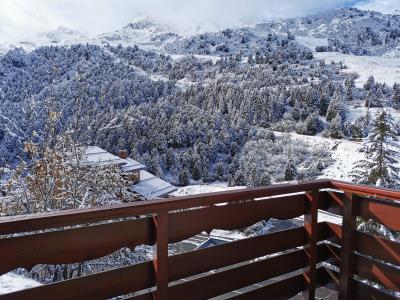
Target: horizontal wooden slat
{"type": "Point", "coordinates": [282, 289]}
{"type": "Point", "coordinates": [378, 247]}
{"type": "Point", "coordinates": [229, 280]}
{"type": "Point", "coordinates": [73, 245]}
{"type": "Point", "coordinates": [79, 216]}
{"type": "Point", "coordinates": [244, 275]}
{"type": "Point", "coordinates": [233, 216]}
{"type": "Point", "coordinates": [384, 274]}
{"type": "Point", "coordinates": [384, 212]}
{"type": "Point", "coordinates": [331, 201]}
{"type": "Point", "coordinates": [288, 287]}
{"type": "Point", "coordinates": [363, 291]}
{"type": "Point", "coordinates": [97, 286]}
{"type": "Point", "coordinates": [203, 260]}
{"type": "Point", "coordinates": [146, 296]}
{"type": "Point", "coordinates": [368, 244]}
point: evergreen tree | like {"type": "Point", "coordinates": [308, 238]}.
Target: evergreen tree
{"type": "Point", "coordinates": [265, 179]}
{"type": "Point", "coordinates": [252, 176]}
{"type": "Point", "coordinates": [336, 106]}
{"type": "Point", "coordinates": [323, 104]}
{"type": "Point", "coordinates": [374, 98]}
{"type": "Point", "coordinates": [312, 124]}
{"type": "Point", "coordinates": [396, 96]}
{"type": "Point", "coordinates": [349, 84]}
{"type": "Point", "coordinates": [183, 177]}
{"type": "Point", "coordinates": [336, 128]}
{"type": "Point", "coordinates": [370, 83]}
{"type": "Point", "coordinates": [250, 59]}
{"type": "Point", "coordinates": [290, 172]}
{"type": "Point", "coordinates": [382, 152]}
{"type": "Point", "coordinates": [238, 179]}
{"type": "Point", "coordinates": [220, 171]}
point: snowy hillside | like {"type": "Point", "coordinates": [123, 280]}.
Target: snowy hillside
{"type": "Point", "coordinates": [344, 153]}
{"type": "Point", "coordinates": [347, 30]}
{"type": "Point", "coordinates": [205, 107]}
{"type": "Point", "coordinates": [384, 69]}
{"type": "Point", "coordinates": [61, 36]}
{"type": "Point", "coordinates": [140, 31]}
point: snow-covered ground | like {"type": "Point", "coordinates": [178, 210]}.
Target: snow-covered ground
{"type": "Point", "coordinates": [344, 152]}
{"type": "Point", "coordinates": [311, 42]}
{"type": "Point", "coordinates": [202, 189]}
{"type": "Point", "coordinates": [384, 69]}
{"type": "Point", "coordinates": [12, 282]}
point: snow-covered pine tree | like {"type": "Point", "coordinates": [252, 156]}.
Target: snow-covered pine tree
{"type": "Point", "coordinates": [383, 154]}
{"type": "Point", "coordinates": [382, 151]}
{"type": "Point", "coordinates": [290, 172]}
{"type": "Point", "coordinates": [374, 98]}
{"type": "Point", "coordinates": [370, 83]}
{"type": "Point", "coordinates": [184, 177]}
{"type": "Point", "coordinates": [238, 179]}
{"type": "Point", "coordinates": [349, 84]}
{"type": "Point", "coordinates": [335, 129]}
{"type": "Point", "coordinates": [265, 179]}
{"type": "Point", "coordinates": [336, 106]}
{"type": "Point", "coordinates": [396, 96]}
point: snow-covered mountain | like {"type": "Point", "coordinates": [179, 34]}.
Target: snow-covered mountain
{"type": "Point", "coordinates": [181, 93]}
{"type": "Point", "coordinates": [141, 31]}
{"type": "Point", "coordinates": [345, 30]}
{"type": "Point", "coordinates": [61, 36]}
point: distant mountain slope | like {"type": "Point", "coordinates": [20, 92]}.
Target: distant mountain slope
{"type": "Point", "coordinates": [203, 106]}
{"type": "Point", "coordinates": [347, 30]}
{"type": "Point", "coordinates": [140, 31]}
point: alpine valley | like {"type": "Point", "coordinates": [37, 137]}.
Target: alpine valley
{"type": "Point", "coordinates": [292, 99]}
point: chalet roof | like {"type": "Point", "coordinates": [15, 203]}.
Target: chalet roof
{"type": "Point", "coordinates": [149, 186]}
{"type": "Point", "coordinates": [96, 155]}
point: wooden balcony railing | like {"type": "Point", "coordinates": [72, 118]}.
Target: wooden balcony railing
{"type": "Point", "coordinates": [358, 265]}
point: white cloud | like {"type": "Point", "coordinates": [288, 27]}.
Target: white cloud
{"type": "Point", "coordinates": [22, 18]}
{"type": "Point", "coordinates": [383, 6]}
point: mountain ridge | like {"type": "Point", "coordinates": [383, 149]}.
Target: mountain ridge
{"type": "Point", "coordinates": [377, 33]}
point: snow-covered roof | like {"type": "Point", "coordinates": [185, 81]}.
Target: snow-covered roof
{"type": "Point", "coordinates": [96, 155]}
{"type": "Point", "coordinates": [150, 186]}
{"type": "Point", "coordinates": [132, 165]}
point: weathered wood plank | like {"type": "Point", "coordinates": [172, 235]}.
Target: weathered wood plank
{"type": "Point", "coordinates": [203, 260]}
{"type": "Point", "coordinates": [233, 216]}
{"type": "Point", "coordinates": [102, 285]}
{"type": "Point", "coordinates": [41, 221]}
{"type": "Point", "coordinates": [74, 245]}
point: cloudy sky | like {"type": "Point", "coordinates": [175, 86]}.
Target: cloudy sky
{"type": "Point", "coordinates": [23, 18]}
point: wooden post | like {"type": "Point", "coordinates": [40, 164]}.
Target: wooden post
{"type": "Point", "coordinates": [310, 226]}
{"type": "Point", "coordinates": [161, 256]}
{"type": "Point", "coordinates": [347, 246]}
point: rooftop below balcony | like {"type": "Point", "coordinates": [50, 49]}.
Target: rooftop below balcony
{"type": "Point", "coordinates": [334, 261]}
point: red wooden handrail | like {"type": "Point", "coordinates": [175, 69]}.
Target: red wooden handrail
{"type": "Point", "coordinates": [164, 221]}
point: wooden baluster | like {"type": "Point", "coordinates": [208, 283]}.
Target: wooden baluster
{"type": "Point", "coordinates": [161, 256]}
{"type": "Point", "coordinates": [347, 246]}
{"type": "Point", "coordinates": [310, 225]}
